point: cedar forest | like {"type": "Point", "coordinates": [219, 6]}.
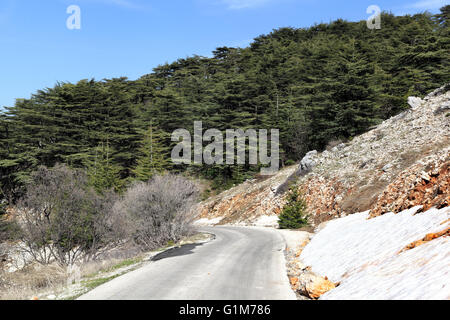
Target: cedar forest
{"type": "Point", "coordinates": [331, 81]}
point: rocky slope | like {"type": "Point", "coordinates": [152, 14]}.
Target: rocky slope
{"type": "Point", "coordinates": [255, 202]}
{"type": "Point", "coordinates": [401, 163]}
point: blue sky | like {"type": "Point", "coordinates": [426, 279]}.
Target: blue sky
{"type": "Point", "coordinates": [130, 37]}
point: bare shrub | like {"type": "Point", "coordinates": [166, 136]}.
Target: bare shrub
{"type": "Point", "coordinates": [156, 212]}
{"type": "Point", "coordinates": [61, 217]}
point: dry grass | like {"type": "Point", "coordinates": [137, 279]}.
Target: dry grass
{"type": "Point", "coordinates": [37, 280]}
{"type": "Point", "coordinates": [26, 283]}
{"type": "Point", "coordinates": [42, 280]}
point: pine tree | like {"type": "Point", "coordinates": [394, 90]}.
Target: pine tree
{"type": "Point", "coordinates": [353, 94]}
{"type": "Point", "coordinates": [153, 157]}
{"type": "Point", "coordinates": [294, 214]}
{"type": "Point", "coordinates": [103, 174]}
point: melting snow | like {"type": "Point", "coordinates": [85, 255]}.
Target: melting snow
{"type": "Point", "coordinates": [208, 222]}
{"type": "Point", "coordinates": [364, 256]}
{"type": "Point", "coordinates": [267, 221]}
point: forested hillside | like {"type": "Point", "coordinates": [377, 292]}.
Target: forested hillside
{"type": "Point", "coordinates": [327, 82]}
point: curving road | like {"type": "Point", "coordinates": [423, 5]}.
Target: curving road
{"type": "Point", "coordinates": [239, 264]}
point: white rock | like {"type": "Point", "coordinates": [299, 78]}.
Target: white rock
{"type": "Point", "coordinates": [309, 161]}
{"type": "Point", "coordinates": [415, 102]}
{"type": "Point", "coordinates": [443, 108]}
{"type": "Point", "coordinates": [425, 176]}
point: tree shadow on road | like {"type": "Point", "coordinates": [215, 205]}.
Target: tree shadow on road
{"type": "Point", "coordinates": [177, 251]}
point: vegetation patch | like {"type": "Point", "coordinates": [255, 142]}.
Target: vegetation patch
{"type": "Point", "coordinates": [294, 214]}
{"type": "Point", "coordinates": [94, 283]}
{"type": "Point", "coordinates": [319, 85]}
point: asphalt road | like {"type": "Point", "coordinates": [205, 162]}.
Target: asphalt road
{"type": "Point", "coordinates": [239, 264]}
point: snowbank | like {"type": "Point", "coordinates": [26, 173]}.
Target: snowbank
{"type": "Point", "coordinates": [364, 256]}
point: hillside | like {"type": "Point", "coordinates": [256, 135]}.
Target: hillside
{"type": "Point", "coordinates": [379, 206]}
{"type": "Point", "coordinates": [401, 163]}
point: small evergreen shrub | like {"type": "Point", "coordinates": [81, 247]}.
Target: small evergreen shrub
{"type": "Point", "coordinates": [289, 162]}
{"type": "Point", "coordinates": [294, 214]}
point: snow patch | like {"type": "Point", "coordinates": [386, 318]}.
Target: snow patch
{"type": "Point", "coordinates": [257, 221]}
{"type": "Point", "coordinates": [267, 221]}
{"type": "Point", "coordinates": [364, 256]}
{"type": "Point", "coordinates": [208, 222]}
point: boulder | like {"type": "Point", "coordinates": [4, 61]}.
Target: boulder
{"type": "Point", "coordinates": [309, 161]}
{"type": "Point", "coordinates": [443, 108]}
{"type": "Point", "coordinates": [313, 286]}
{"type": "Point", "coordinates": [387, 167]}
{"type": "Point", "coordinates": [415, 102]}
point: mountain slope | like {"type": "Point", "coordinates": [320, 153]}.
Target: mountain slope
{"type": "Point", "coordinates": [401, 163]}
{"type": "Point", "coordinates": [380, 205]}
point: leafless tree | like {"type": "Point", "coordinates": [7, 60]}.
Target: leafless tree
{"type": "Point", "coordinates": [64, 220]}
{"type": "Point", "coordinates": [158, 211]}
{"type": "Point", "coordinates": [61, 217]}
